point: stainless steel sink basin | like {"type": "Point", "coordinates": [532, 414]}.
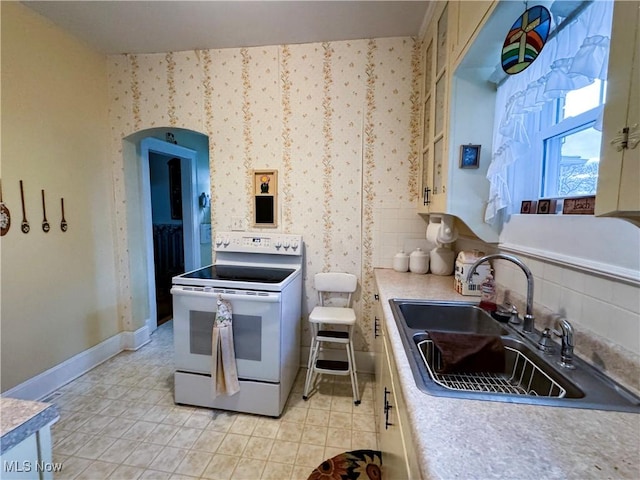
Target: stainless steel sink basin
{"type": "Point", "coordinates": [449, 317]}
{"type": "Point", "coordinates": [523, 374]}
{"type": "Point", "coordinates": [530, 376]}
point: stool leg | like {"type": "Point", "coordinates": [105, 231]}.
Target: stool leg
{"type": "Point", "coordinates": [313, 354]}
{"type": "Point", "coordinates": [352, 369]}
{"type": "Point", "coordinates": [307, 382]}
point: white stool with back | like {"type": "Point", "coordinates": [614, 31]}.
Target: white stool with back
{"type": "Point", "coordinates": [321, 317]}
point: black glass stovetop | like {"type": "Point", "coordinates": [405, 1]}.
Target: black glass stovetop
{"type": "Point", "coordinates": [239, 273]}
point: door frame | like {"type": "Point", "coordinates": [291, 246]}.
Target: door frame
{"type": "Point", "coordinates": [190, 227]}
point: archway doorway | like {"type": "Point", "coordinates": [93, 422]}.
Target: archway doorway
{"type": "Point", "coordinates": [191, 151]}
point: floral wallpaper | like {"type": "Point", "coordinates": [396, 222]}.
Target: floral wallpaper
{"type": "Point", "coordinates": [338, 120]}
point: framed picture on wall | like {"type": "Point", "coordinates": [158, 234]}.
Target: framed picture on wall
{"type": "Point", "coordinates": [265, 190]}
{"type": "Point", "coordinates": [469, 156]}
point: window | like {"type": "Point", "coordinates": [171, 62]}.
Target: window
{"type": "Point", "coordinates": [571, 143]}
{"type": "Point", "coordinates": [547, 135]}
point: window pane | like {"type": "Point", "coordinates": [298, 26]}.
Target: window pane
{"type": "Point", "coordinates": [571, 163]}
{"type": "Point", "coordinates": [583, 99]}
{"type": "Point", "coordinates": [438, 156]}
{"type": "Point", "coordinates": [441, 52]}
{"type": "Point", "coordinates": [439, 113]}
{"type": "Point", "coordinates": [428, 60]}
{"type": "Point", "coordinates": [425, 169]}
{"type": "Point", "coordinates": [426, 123]}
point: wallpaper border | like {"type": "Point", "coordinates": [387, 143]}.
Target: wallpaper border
{"type": "Point", "coordinates": [327, 155]}
{"type": "Point", "coordinates": [368, 185]}
{"type": "Point", "coordinates": [414, 123]}
{"type": "Point", "coordinates": [171, 87]}
{"type": "Point", "coordinates": [246, 132]}
{"type": "Point", "coordinates": [285, 56]}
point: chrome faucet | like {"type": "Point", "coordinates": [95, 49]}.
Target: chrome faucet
{"type": "Point", "coordinates": [566, 332]}
{"type": "Point", "coordinates": [528, 325]}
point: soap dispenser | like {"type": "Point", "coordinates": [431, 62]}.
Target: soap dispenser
{"type": "Point", "coordinates": [488, 294]}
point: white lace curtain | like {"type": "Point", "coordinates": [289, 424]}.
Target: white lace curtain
{"type": "Point", "coordinates": [573, 59]}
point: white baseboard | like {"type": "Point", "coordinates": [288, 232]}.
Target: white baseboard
{"type": "Point", "coordinates": [365, 361]}
{"type": "Point", "coordinates": [135, 340]}
{"type": "Point", "coordinates": [51, 380]}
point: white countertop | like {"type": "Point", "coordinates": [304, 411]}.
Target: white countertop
{"type": "Point", "coordinates": [458, 438]}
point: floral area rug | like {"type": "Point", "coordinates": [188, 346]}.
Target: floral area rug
{"type": "Point", "coordinates": [357, 464]}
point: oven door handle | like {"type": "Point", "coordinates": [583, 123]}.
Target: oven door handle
{"type": "Point", "coordinates": [270, 297]}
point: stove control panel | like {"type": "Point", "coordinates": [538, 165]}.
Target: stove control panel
{"type": "Point", "coordinates": [258, 242]}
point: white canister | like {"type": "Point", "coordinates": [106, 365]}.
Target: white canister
{"type": "Point", "coordinates": [419, 261]}
{"type": "Point", "coordinates": [401, 262]}
{"type": "Point", "coordinates": [442, 261]}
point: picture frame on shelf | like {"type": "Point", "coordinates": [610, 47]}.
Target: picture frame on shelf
{"type": "Point", "coordinates": [528, 206]}
{"type": "Point", "coordinates": [546, 206]}
{"type": "Point", "coordinates": [579, 205]}
{"type": "Point", "coordinates": [469, 156]}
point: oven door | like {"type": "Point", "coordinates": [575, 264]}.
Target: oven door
{"type": "Point", "coordinates": [256, 331]}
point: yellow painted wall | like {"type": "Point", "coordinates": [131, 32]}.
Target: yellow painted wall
{"type": "Point", "coordinates": [58, 289]}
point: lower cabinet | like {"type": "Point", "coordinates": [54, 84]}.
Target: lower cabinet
{"type": "Point", "coordinates": [396, 443]}
{"type": "Point", "coordinates": [30, 459]}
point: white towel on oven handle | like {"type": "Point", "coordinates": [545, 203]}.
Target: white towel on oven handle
{"type": "Point", "coordinates": [224, 373]}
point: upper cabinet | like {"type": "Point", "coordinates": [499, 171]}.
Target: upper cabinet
{"type": "Point", "coordinates": [468, 16]}
{"type": "Point", "coordinates": [618, 193]}
{"type": "Point", "coordinates": [461, 58]}
{"type": "Point", "coordinates": [435, 112]}
{"type": "Point", "coordinates": [456, 111]}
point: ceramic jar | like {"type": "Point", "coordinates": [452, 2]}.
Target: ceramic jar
{"type": "Point", "coordinates": [442, 261]}
{"type": "Point", "coordinates": [419, 261]}
{"type": "Point", "coordinates": [401, 262]}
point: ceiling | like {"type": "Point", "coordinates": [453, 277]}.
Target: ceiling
{"type": "Point", "coordinates": [113, 27]}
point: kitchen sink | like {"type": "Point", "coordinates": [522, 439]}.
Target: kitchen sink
{"type": "Point", "coordinates": [530, 376]}
{"type": "Point", "coordinates": [449, 317]}
{"type": "Point", "coordinates": [523, 373]}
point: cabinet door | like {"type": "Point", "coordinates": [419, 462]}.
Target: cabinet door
{"type": "Point", "coordinates": [619, 172]}
{"type": "Point", "coordinates": [441, 116]}
{"type": "Point", "coordinates": [427, 124]}
{"type": "Point", "coordinates": [378, 349]}
{"type": "Point", "coordinates": [435, 116]}
{"type": "Point", "coordinates": [468, 15]}
{"type": "Point", "coordinates": [391, 443]}
{"type": "Point", "coordinates": [31, 458]}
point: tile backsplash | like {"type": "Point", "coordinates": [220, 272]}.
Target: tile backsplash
{"type": "Point", "coordinates": [608, 308]}
{"type": "Point", "coordinates": [605, 312]}
{"type": "Point", "coordinates": [395, 230]}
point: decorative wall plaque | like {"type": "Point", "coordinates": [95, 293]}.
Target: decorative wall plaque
{"type": "Point", "coordinates": [579, 206]}
{"type": "Point", "coordinates": [265, 191]}
{"type": "Point", "coordinates": [525, 39]}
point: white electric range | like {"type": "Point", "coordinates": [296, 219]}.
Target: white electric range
{"type": "Point", "coordinates": [260, 274]}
